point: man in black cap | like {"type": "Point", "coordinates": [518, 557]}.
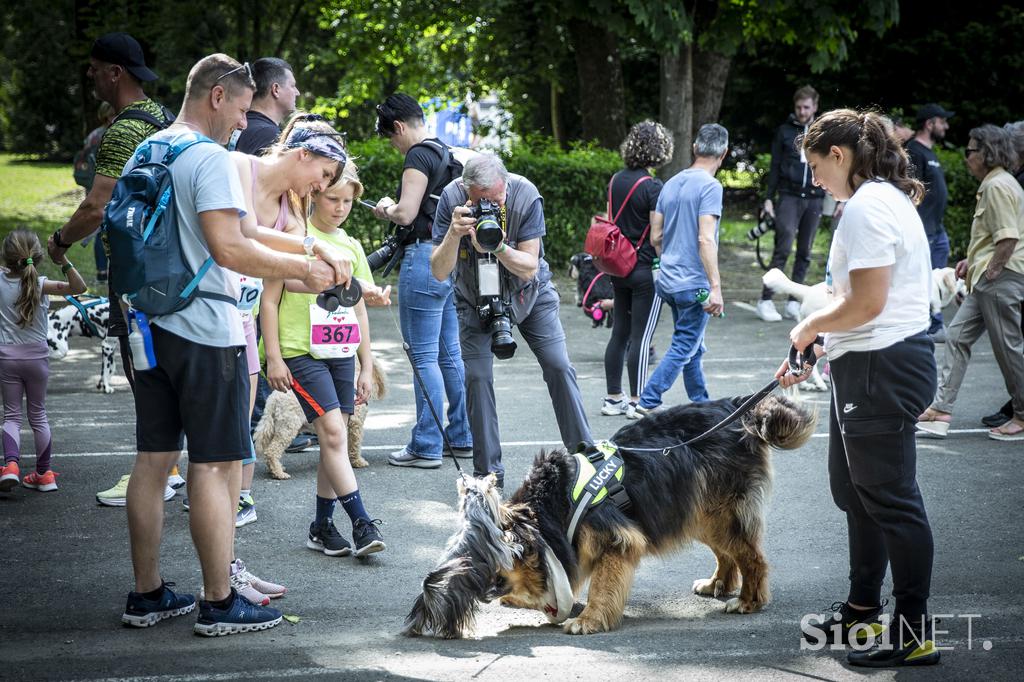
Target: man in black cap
{"type": "Point", "coordinates": [118, 69]}
{"type": "Point", "coordinates": [932, 124]}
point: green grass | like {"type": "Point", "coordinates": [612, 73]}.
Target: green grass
{"type": "Point", "coordinates": [41, 196]}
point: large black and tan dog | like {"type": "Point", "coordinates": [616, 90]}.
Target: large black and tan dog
{"type": "Point", "coordinates": [714, 491]}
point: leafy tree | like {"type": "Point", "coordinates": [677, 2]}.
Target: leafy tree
{"type": "Point", "coordinates": [700, 38]}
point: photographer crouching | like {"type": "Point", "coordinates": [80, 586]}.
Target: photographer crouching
{"type": "Point", "coordinates": [488, 230]}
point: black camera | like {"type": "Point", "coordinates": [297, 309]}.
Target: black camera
{"type": "Point", "coordinates": [488, 224]}
{"type": "Point", "coordinates": [764, 225]}
{"type": "Point", "coordinates": [495, 317]}
{"type": "Point", "coordinates": [338, 296]}
{"type": "Point", "coordinates": [390, 251]}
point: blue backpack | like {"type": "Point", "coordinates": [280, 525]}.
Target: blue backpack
{"type": "Point", "coordinates": [147, 265]}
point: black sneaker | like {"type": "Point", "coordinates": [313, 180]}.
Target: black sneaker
{"type": "Point", "coordinates": [997, 419]}
{"type": "Point", "coordinates": [326, 538]}
{"type": "Point", "coordinates": [299, 443]}
{"type": "Point", "coordinates": [241, 615]}
{"type": "Point", "coordinates": [142, 613]}
{"type": "Point", "coordinates": [839, 627]}
{"type": "Point", "coordinates": [916, 646]}
{"type": "Point", "coordinates": [367, 537]}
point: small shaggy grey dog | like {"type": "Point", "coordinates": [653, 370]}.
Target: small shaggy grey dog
{"type": "Point", "coordinates": [283, 419]}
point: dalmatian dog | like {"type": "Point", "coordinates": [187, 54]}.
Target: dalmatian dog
{"type": "Point", "coordinates": [68, 321]}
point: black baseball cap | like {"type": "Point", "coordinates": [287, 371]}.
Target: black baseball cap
{"type": "Point", "coordinates": [931, 111]}
{"type": "Point", "coordinates": [123, 50]}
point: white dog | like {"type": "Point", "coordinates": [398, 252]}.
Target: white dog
{"type": "Point", "coordinates": [67, 321]}
{"type": "Point", "coordinates": [814, 298]}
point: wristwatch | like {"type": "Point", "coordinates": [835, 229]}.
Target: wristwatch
{"type": "Point", "coordinates": [307, 245]}
{"type": "Point", "coordinates": [58, 241]}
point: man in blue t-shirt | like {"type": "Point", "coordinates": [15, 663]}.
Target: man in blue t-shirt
{"type": "Point", "coordinates": [508, 284]}
{"type": "Point", "coordinates": [684, 232]}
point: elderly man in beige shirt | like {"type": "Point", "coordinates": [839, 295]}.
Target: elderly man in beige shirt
{"type": "Point", "coordinates": [994, 272]}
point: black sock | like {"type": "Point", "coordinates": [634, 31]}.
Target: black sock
{"type": "Point", "coordinates": [154, 594]}
{"type": "Point", "coordinates": [223, 603]}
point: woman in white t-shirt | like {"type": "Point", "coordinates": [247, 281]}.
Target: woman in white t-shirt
{"type": "Point", "coordinates": [883, 375]}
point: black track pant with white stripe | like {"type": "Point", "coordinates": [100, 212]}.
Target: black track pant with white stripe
{"type": "Point", "coordinates": [637, 308]}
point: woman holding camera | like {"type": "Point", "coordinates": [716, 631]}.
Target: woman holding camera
{"type": "Point", "coordinates": [425, 305]}
{"type": "Point", "coordinates": [633, 196]}
{"type": "Point", "coordinates": [883, 375]}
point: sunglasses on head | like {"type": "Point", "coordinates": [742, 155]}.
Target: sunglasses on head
{"type": "Point", "coordinates": [242, 67]}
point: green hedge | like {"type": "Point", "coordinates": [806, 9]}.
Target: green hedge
{"type": "Point", "coordinates": [959, 211]}
{"type": "Point", "coordinates": [573, 183]}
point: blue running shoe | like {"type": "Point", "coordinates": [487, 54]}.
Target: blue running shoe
{"type": "Point", "coordinates": [143, 613]}
{"type": "Point", "coordinates": [240, 616]}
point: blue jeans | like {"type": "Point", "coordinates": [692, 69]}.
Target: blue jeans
{"type": "Point", "coordinates": [938, 245]}
{"type": "Point", "coordinates": [99, 254]}
{"type": "Point", "coordinates": [684, 352]}
{"type": "Point", "coordinates": [427, 311]}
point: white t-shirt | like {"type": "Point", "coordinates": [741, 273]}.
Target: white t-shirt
{"type": "Point", "coordinates": [205, 179]}
{"type": "Point", "coordinates": [881, 227]}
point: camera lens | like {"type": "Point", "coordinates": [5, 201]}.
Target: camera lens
{"type": "Point", "coordinates": [383, 255]}
{"type": "Point", "coordinates": [502, 344]}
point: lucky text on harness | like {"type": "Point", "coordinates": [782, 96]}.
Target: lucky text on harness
{"type": "Point", "coordinates": [148, 266]}
{"type": "Point", "coordinates": [599, 474]}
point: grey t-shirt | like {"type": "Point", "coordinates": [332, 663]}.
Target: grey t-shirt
{"type": "Point", "coordinates": [525, 221]}
{"type": "Point", "coordinates": [204, 179]}
{"type": "Point", "coordinates": [10, 333]}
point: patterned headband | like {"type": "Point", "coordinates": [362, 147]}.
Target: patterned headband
{"type": "Point", "coordinates": [324, 144]}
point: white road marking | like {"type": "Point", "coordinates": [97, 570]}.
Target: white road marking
{"type": "Point", "coordinates": [395, 446]}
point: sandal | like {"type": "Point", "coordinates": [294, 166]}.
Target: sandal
{"type": "Point", "coordinates": [1001, 432]}
{"type": "Point", "coordinates": [933, 423]}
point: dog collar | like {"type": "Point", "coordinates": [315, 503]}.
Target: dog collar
{"type": "Point", "coordinates": [558, 600]}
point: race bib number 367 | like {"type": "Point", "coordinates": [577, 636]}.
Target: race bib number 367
{"type": "Point", "coordinates": [333, 334]}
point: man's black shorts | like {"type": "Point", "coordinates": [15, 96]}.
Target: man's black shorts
{"type": "Point", "coordinates": [116, 324]}
{"type": "Point", "coordinates": [200, 392]}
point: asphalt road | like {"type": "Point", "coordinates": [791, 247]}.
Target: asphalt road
{"type": "Point", "coordinates": [66, 566]}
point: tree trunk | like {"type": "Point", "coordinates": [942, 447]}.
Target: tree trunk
{"type": "Point", "coordinates": [556, 118]}
{"type": "Point", "coordinates": [602, 90]}
{"type": "Point", "coordinates": [677, 107]}
{"type": "Point", "coordinates": [710, 73]}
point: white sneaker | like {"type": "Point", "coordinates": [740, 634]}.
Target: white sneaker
{"type": "Point", "coordinates": [767, 312]}
{"type": "Point", "coordinates": [176, 481]}
{"type": "Point", "coordinates": [614, 407]}
{"type": "Point", "coordinates": [792, 310]}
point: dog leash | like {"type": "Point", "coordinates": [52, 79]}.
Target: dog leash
{"type": "Point", "coordinates": [797, 362]}
{"type": "Point", "coordinates": [423, 389]}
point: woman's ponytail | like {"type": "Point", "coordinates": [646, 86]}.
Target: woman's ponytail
{"type": "Point", "coordinates": [877, 153]}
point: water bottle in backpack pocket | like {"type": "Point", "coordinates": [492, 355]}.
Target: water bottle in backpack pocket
{"type": "Point", "coordinates": [148, 267]}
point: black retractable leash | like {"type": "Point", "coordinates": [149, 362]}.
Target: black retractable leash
{"type": "Point", "coordinates": [799, 363]}
{"type": "Point", "coordinates": [430, 404]}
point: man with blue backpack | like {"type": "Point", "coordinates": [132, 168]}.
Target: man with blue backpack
{"type": "Point", "coordinates": [177, 248]}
